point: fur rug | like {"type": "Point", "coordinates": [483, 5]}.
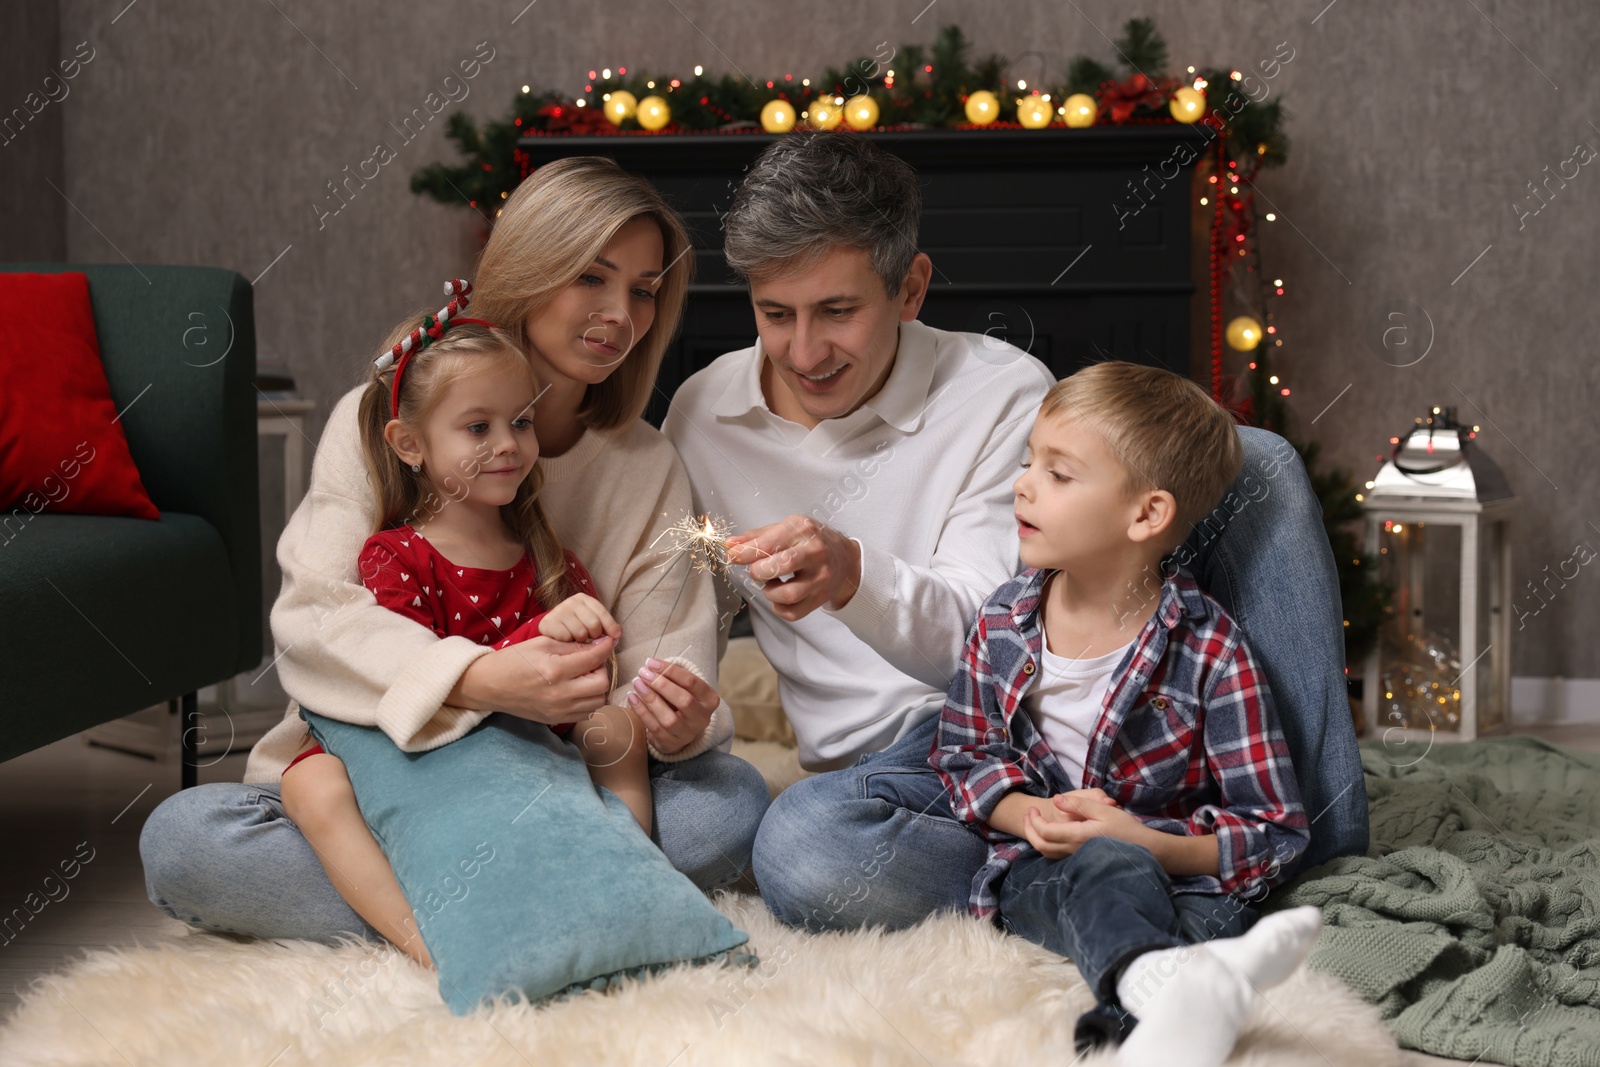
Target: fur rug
{"type": "Point", "coordinates": [950, 991]}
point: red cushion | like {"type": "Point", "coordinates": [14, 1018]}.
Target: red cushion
{"type": "Point", "coordinates": [60, 450]}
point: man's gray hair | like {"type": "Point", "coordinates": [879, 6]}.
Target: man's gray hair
{"type": "Point", "coordinates": [816, 189]}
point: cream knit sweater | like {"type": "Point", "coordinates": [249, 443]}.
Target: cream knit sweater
{"type": "Point", "coordinates": [342, 655]}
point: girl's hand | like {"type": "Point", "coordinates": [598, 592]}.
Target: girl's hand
{"type": "Point", "coordinates": [579, 618]}
{"type": "Point", "coordinates": [674, 703]}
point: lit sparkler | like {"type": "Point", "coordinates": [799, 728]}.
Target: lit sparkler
{"type": "Point", "coordinates": [702, 540]}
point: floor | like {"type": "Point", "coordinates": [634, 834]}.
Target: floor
{"type": "Point", "coordinates": [62, 801]}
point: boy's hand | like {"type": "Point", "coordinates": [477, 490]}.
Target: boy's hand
{"type": "Point", "coordinates": [1062, 811]}
{"type": "Point", "coordinates": [579, 618]}
{"type": "Point", "coordinates": [1083, 817]}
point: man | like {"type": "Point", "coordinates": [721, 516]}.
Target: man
{"type": "Point", "coordinates": [868, 460]}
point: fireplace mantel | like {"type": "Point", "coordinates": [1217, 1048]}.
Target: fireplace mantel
{"type": "Point", "coordinates": [1072, 244]}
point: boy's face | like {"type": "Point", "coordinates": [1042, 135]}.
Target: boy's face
{"type": "Point", "coordinates": [1071, 510]}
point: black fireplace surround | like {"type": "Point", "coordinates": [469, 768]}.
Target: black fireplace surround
{"type": "Point", "coordinates": [1074, 245]}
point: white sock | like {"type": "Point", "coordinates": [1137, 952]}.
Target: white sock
{"type": "Point", "coordinates": [1192, 1001]}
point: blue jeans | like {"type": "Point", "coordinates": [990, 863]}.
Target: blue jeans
{"type": "Point", "coordinates": [1106, 904]}
{"type": "Point", "coordinates": [1270, 565]}
{"type": "Point", "coordinates": [874, 844]}
{"type": "Point", "coordinates": [224, 856]}
{"type": "Point", "coordinates": [1265, 558]}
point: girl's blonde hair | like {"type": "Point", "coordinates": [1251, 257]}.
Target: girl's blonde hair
{"type": "Point", "coordinates": [463, 350]}
{"type": "Point", "coordinates": [549, 232]}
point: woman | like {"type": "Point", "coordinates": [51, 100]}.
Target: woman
{"type": "Point", "coordinates": [592, 266]}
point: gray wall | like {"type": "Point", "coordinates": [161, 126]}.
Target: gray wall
{"type": "Point", "coordinates": [32, 215]}
{"type": "Point", "coordinates": [206, 133]}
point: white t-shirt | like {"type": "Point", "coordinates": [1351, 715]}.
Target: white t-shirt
{"type": "Point", "coordinates": [1066, 703]}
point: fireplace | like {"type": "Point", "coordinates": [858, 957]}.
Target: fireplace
{"type": "Point", "coordinates": [1074, 245]}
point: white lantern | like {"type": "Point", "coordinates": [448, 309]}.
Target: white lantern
{"type": "Point", "coordinates": [1438, 523]}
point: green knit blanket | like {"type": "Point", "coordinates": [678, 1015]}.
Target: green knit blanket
{"type": "Point", "coordinates": [1474, 921]}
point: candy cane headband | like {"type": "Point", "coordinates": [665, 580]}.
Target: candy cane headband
{"type": "Point", "coordinates": [433, 327]}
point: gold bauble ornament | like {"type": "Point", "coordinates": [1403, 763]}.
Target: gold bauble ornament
{"type": "Point", "coordinates": [620, 105]}
{"type": "Point", "coordinates": [824, 114]}
{"type": "Point", "coordinates": [1188, 105]}
{"type": "Point", "coordinates": [777, 116]}
{"type": "Point", "coordinates": [1034, 113]}
{"type": "Point", "coordinates": [1081, 110]}
{"type": "Point", "coordinates": [653, 113]}
{"type": "Point", "coordinates": [983, 107]}
{"type": "Point", "coordinates": [1244, 333]}
{"type": "Point", "coordinates": [861, 112]}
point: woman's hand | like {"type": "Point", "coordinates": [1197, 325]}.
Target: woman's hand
{"type": "Point", "coordinates": [674, 703]}
{"type": "Point", "coordinates": [540, 679]}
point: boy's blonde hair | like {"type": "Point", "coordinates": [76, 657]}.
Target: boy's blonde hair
{"type": "Point", "coordinates": [1165, 430]}
{"type": "Point", "coordinates": [548, 233]}
{"type": "Point", "coordinates": [401, 493]}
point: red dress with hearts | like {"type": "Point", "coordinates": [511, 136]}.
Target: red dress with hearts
{"type": "Point", "coordinates": [491, 607]}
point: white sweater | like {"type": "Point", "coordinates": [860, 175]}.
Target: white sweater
{"type": "Point", "coordinates": [920, 476]}
{"type": "Point", "coordinates": [342, 655]}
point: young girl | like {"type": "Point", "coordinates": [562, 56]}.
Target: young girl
{"type": "Point", "coordinates": [462, 547]}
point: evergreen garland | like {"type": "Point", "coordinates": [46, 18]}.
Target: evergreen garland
{"type": "Point", "coordinates": [928, 89]}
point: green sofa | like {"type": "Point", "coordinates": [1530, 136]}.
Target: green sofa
{"type": "Point", "coordinates": [106, 615]}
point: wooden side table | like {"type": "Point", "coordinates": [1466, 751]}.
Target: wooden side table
{"type": "Point", "coordinates": [286, 419]}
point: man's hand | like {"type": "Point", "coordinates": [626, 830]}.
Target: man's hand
{"type": "Point", "coordinates": [1079, 816]}
{"type": "Point", "coordinates": [579, 618]}
{"type": "Point", "coordinates": [825, 564]}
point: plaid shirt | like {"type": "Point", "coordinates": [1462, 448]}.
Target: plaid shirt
{"type": "Point", "coordinates": [1188, 741]}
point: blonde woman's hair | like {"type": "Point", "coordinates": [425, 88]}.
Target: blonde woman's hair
{"type": "Point", "coordinates": [464, 350]}
{"type": "Point", "coordinates": [549, 232]}
{"type": "Point", "coordinates": [1167, 432]}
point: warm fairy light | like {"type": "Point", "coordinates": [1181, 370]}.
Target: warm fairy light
{"type": "Point", "coordinates": [606, 73]}
{"type": "Point", "coordinates": [1271, 217]}
{"type": "Point", "coordinates": [698, 70]}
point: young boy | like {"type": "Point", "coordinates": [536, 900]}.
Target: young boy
{"type": "Point", "coordinates": [1112, 738]}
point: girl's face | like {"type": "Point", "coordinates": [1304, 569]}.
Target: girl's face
{"type": "Point", "coordinates": [478, 444]}
{"type": "Point", "coordinates": [586, 332]}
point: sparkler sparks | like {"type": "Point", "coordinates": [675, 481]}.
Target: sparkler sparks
{"type": "Point", "coordinates": [703, 538]}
